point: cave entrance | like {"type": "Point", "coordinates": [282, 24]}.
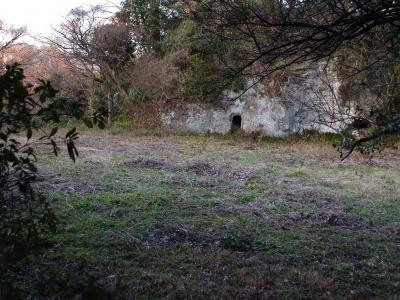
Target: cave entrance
{"type": "Point", "coordinates": [236, 122]}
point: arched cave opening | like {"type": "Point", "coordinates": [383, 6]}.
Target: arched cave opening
{"type": "Point", "coordinates": [236, 122]}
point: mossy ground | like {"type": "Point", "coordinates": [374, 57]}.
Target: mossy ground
{"type": "Point", "coordinates": [155, 215]}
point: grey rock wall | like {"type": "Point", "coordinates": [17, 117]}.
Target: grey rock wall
{"type": "Point", "coordinates": [272, 116]}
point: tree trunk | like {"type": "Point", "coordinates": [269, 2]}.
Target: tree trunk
{"type": "Point", "coordinates": [113, 81]}
{"type": "Point", "coordinates": [110, 107]}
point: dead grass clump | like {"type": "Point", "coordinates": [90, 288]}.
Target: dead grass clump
{"type": "Point", "coordinates": [293, 190]}
{"type": "Point", "coordinates": [184, 180]}
{"type": "Point", "coordinates": [235, 174]}
{"type": "Point", "coordinates": [149, 163]}
{"type": "Point", "coordinates": [330, 218]}
{"type": "Point", "coordinates": [69, 185]}
{"type": "Point", "coordinates": [199, 168]}
{"type": "Point", "coordinates": [204, 168]}
{"type": "Point", "coordinates": [392, 229]}
{"type": "Point", "coordinates": [164, 233]}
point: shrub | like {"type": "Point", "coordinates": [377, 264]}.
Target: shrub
{"type": "Point", "coordinates": [25, 216]}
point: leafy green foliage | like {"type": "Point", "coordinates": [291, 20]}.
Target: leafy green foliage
{"type": "Point", "coordinates": [138, 94]}
{"type": "Point", "coordinates": [25, 216]}
{"type": "Point", "coordinates": [155, 16]}
{"type": "Point", "coordinates": [70, 107]}
{"type": "Point", "coordinates": [206, 75]}
{"type": "Point", "coordinates": [25, 115]}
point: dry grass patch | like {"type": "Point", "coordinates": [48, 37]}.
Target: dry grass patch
{"type": "Point", "coordinates": [165, 216]}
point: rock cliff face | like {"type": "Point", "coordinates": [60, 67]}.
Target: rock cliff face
{"type": "Point", "coordinates": [293, 111]}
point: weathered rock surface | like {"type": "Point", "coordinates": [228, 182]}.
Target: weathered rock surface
{"type": "Point", "coordinates": [290, 112]}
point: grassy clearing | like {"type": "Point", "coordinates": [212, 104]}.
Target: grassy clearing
{"type": "Point", "coordinates": [147, 215]}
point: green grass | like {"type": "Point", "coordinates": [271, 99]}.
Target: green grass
{"type": "Point", "coordinates": [291, 222]}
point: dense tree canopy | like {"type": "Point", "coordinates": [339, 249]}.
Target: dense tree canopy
{"type": "Point", "coordinates": [155, 17]}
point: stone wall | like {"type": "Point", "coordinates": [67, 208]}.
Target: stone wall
{"type": "Point", "coordinates": [281, 115]}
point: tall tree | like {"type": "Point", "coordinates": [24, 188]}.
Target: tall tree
{"type": "Point", "coordinates": [98, 48]}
